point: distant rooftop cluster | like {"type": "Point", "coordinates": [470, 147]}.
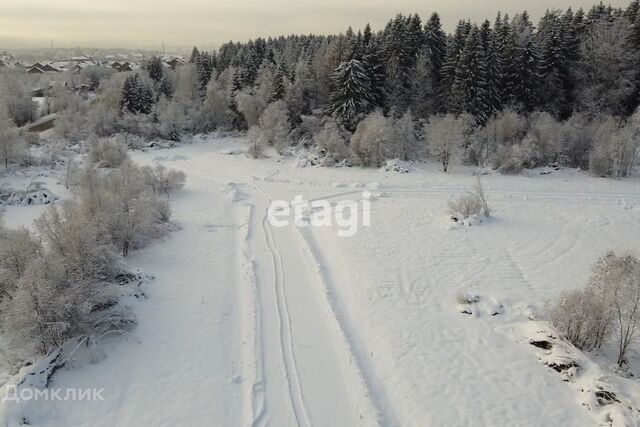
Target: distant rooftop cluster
{"type": "Point", "coordinates": [75, 64]}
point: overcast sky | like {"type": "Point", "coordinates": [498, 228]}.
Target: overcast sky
{"type": "Point", "coordinates": [146, 23]}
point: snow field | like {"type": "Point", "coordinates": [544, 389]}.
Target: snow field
{"type": "Point", "coordinates": [248, 324]}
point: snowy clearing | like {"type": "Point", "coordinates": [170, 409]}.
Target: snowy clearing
{"type": "Point", "coordinates": [249, 324]}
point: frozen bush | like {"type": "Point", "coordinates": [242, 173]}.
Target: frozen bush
{"type": "Point", "coordinates": [17, 249]}
{"type": "Point", "coordinates": [505, 129]}
{"type": "Point", "coordinates": [275, 126]}
{"type": "Point", "coordinates": [474, 202]}
{"type": "Point", "coordinates": [546, 136]}
{"type": "Point", "coordinates": [12, 147]}
{"type": "Point", "coordinates": [332, 141]}
{"type": "Point", "coordinates": [445, 137]}
{"type": "Point", "coordinates": [615, 147]}
{"type": "Point", "coordinates": [16, 97]}
{"type": "Point", "coordinates": [372, 143]}
{"type": "Point", "coordinates": [576, 140]}
{"type": "Point", "coordinates": [74, 235]}
{"type": "Point", "coordinates": [405, 136]}
{"type": "Point", "coordinates": [256, 142]}
{"type": "Point", "coordinates": [215, 110]}
{"type": "Point", "coordinates": [511, 159]}
{"type": "Point", "coordinates": [464, 207]}
{"type": "Point", "coordinates": [59, 284]}
{"type": "Point", "coordinates": [617, 279]}
{"type": "Point", "coordinates": [108, 153]}
{"type": "Point", "coordinates": [129, 208]}
{"type": "Point", "coordinates": [582, 318]}
{"type": "Point", "coordinates": [250, 106]}
{"type": "Point", "coordinates": [162, 180]}
{"type": "Point", "coordinates": [173, 119]}
{"type": "Point", "coordinates": [608, 306]}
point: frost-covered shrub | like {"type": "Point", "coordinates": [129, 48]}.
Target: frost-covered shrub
{"type": "Point", "coordinates": [445, 137]}
{"type": "Point", "coordinates": [616, 280]}
{"type": "Point", "coordinates": [173, 119]}
{"type": "Point", "coordinates": [64, 285]}
{"type": "Point", "coordinates": [71, 125]}
{"type": "Point", "coordinates": [107, 152]}
{"type": "Point", "coordinates": [251, 106]}
{"type": "Point", "coordinates": [373, 141]}
{"type": "Point", "coordinates": [275, 126]}
{"type": "Point", "coordinates": [608, 306]}
{"type": "Point", "coordinates": [102, 120]}
{"type": "Point", "coordinates": [405, 138]}
{"type": "Point", "coordinates": [333, 142]}
{"type": "Point", "coordinates": [17, 249]}
{"type": "Point", "coordinates": [505, 129]}
{"type": "Point", "coordinates": [582, 318]}
{"type": "Point", "coordinates": [256, 142]}
{"type": "Point", "coordinates": [472, 203]}
{"type": "Point", "coordinates": [464, 206]}
{"type": "Point", "coordinates": [615, 147]}
{"type": "Point", "coordinates": [12, 148]}
{"type": "Point", "coordinates": [162, 180]}
{"type": "Point", "coordinates": [59, 283]}
{"type": "Point", "coordinates": [576, 140]}
{"type": "Point", "coordinates": [545, 137]}
{"type": "Point", "coordinates": [15, 96]}
{"type": "Point", "coordinates": [129, 208]}
{"type": "Point", "coordinates": [511, 159]}
{"type": "Point", "coordinates": [216, 113]}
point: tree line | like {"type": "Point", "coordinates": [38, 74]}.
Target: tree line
{"type": "Point", "coordinates": [576, 71]}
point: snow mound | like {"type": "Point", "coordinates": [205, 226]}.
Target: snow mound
{"type": "Point", "coordinates": [28, 198]}
{"type": "Point", "coordinates": [234, 192]}
{"type": "Point", "coordinates": [233, 151]}
{"type": "Point", "coordinates": [373, 185]}
{"type": "Point", "coordinates": [456, 221]}
{"type": "Point", "coordinates": [610, 398]}
{"type": "Point", "coordinates": [397, 165]}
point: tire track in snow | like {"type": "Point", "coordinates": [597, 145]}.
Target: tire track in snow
{"type": "Point", "coordinates": [259, 405]}
{"type": "Point", "coordinates": [369, 402]}
{"type": "Point", "coordinates": [254, 334]}
{"type": "Point", "coordinates": [292, 375]}
{"type": "Point", "coordinates": [369, 414]}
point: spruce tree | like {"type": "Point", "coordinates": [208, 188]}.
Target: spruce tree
{"type": "Point", "coordinates": [528, 77]}
{"type": "Point", "coordinates": [452, 56]}
{"type": "Point", "coordinates": [165, 88]}
{"type": "Point", "coordinates": [195, 54]}
{"type": "Point", "coordinates": [424, 101]}
{"type": "Point", "coordinates": [495, 76]}
{"type": "Point", "coordinates": [352, 97]}
{"type": "Point", "coordinates": [154, 67]}
{"type": "Point", "coordinates": [375, 71]}
{"type": "Point", "coordinates": [435, 42]}
{"type": "Point", "coordinates": [204, 71]}
{"type": "Point", "coordinates": [469, 89]}
{"type": "Point", "coordinates": [136, 97]}
{"type": "Point", "coordinates": [278, 84]}
{"type": "Point", "coordinates": [506, 44]}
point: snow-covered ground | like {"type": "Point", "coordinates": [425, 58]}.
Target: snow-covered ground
{"type": "Point", "coordinates": [251, 324]}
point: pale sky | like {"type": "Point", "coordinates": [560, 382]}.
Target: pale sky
{"type": "Point", "coordinates": [182, 23]}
